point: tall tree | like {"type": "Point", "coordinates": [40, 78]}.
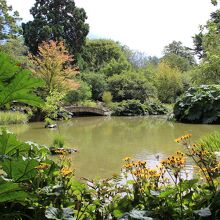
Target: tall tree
{"type": "Point", "coordinates": [98, 53]}
{"type": "Point", "coordinates": [178, 56]}
{"type": "Point", "coordinates": [176, 47]}
{"type": "Point", "coordinates": [9, 27]}
{"type": "Point", "coordinates": [58, 20]}
{"type": "Point", "coordinates": [205, 30]}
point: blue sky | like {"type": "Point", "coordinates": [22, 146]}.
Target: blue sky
{"type": "Point", "coordinates": [145, 25]}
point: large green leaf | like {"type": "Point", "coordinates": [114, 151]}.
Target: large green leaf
{"type": "Point", "coordinates": [199, 104]}
{"type": "Point", "coordinates": [17, 84]}
{"type": "Point", "coordinates": [20, 169]}
{"type": "Point", "coordinates": [10, 191]}
{"type": "Point", "coordinates": [20, 89]}
{"type": "Point", "coordinates": [9, 145]}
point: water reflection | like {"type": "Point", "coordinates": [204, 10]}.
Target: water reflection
{"type": "Point", "coordinates": [103, 141]}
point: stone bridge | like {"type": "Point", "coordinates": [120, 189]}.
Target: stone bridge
{"type": "Point", "coordinates": [83, 110]}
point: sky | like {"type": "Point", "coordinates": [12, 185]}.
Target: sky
{"type": "Point", "coordinates": [144, 25]}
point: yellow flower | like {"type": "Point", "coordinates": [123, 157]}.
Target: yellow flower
{"type": "Point", "coordinates": [65, 171]}
{"type": "Point", "coordinates": [61, 151]}
{"type": "Point", "coordinates": [42, 166]}
{"type": "Point", "coordinates": [127, 159]}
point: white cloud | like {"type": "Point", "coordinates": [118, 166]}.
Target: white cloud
{"type": "Point", "coordinates": [146, 25]}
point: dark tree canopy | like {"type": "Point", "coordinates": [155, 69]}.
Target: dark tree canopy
{"type": "Point", "coordinates": [8, 21]}
{"type": "Point", "coordinates": [56, 20]}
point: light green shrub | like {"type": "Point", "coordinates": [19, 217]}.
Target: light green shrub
{"type": "Point", "coordinates": [12, 118]}
{"type": "Point", "coordinates": [107, 97]}
{"type": "Point", "coordinates": [58, 142]}
{"type": "Point", "coordinates": [211, 142]}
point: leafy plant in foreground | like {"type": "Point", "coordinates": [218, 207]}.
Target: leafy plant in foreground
{"type": "Point", "coordinates": [17, 84]}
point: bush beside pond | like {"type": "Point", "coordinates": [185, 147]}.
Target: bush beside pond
{"type": "Point", "coordinates": [135, 107]}
{"type": "Point", "coordinates": [199, 105]}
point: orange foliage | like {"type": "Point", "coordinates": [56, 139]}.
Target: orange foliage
{"type": "Point", "coordinates": [53, 65]}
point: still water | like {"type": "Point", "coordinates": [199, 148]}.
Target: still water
{"type": "Point", "coordinates": [104, 141]}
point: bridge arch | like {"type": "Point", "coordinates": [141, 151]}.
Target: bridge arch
{"type": "Point", "coordinates": [83, 110]}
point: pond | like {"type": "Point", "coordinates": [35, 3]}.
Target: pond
{"type": "Point", "coordinates": [104, 141]}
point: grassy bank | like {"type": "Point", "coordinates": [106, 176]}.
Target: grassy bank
{"type": "Point", "coordinates": [12, 118]}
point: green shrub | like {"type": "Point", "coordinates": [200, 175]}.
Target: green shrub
{"type": "Point", "coordinates": [155, 107]}
{"type": "Point", "coordinates": [135, 107]}
{"type": "Point", "coordinates": [168, 82]}
{"type": "Point", "coordinates": [199, 105]}
{"type": "Point", "coordinates": [58, 142]}
{"type": "Point", "coordinates": [129, 86]}
{"type": "Point", "coordinates": [88, 103]}
{"type": "Point", "coordinates": [82, 93]}
{"type": "Point", "coordinates": [107, 97]}
{"type": "Point", "coordinates": [99, 52]}
{"type": "Point", "coordinates": [13, 118]}
{"type": "Point", "coordinates": [97, 81]}
{"type": "Point", "coordinates": [129, 108]}
{"type": "Point", "coordinates": [53, 104]}
{"type": "Point", "coordinates": [211, 142]}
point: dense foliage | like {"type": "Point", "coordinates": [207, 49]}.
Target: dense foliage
{"type": "Point", "coordinates": [129, 108]}
{"type": "Point", "coordinates": [199, 105]}
{"type": "Point", "coordinates": [99, 52]}
{"type": "Point", "coordinates": [81, 94]}
{"type": "Point", "coordinates": [97, 82]}
{"type": "Point", "coordinates": [130, 85]}
{"type": "Point", "coordinates": [135, 107]}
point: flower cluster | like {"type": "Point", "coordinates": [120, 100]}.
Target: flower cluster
{"type": "Point", "coordinates": [61, 151]}
{"type": "Point", "coordinates": [141, 174]}
{"type": "Point", "coordinates": [177, 161]}
{"type": "Point", "coordinates": [183, 138]}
